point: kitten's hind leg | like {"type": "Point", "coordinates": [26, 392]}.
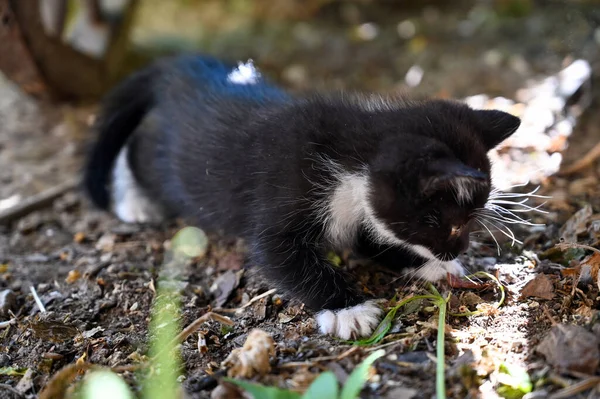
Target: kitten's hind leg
{"type": "Point", "coordinates": [130, 202]}
{"type": "Point", "coordinates": [302, 272]}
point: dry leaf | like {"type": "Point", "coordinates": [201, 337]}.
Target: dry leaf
{"type": "Point", "coordinates": [540, 287]}
{"type": "Point", "coordinates": [576, 225]}
{"type": "Point", "coordinates": [79, 237]}
{"type": "Point", "coordinates": [73, 276]}
{"type": "Point", "coordinates": [570, 347]}
{"type": "Point", "coordinates": [224, 286]}
{"type": "Point", "coordinates": [202, 347]}
{"type": "Point", "coordinates": [252, 358]}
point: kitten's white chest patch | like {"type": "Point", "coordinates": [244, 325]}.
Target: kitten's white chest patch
{"type": "Point", "coordinates": [245, 74]}
{"type": "Point", "coordinates": [353, 322]}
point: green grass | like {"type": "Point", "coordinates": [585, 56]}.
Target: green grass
{"type": "Point", "coordinates": [325, 386]}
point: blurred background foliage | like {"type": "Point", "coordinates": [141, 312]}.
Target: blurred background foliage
{"type": "Point", "coordinates": [333, 36]}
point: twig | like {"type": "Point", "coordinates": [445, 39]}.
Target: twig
{"type": "Point", "coordinates": [36, 202]}
{"type": "Point", "coordinates": [193, 327]}
{"type": "Point", "coordinates": [250, 302]}
{"type": "Point", "coordinates": [7, 323]}
{"type": "Point", "coordinates": [37, 299]}
{"type": "Point", "coordinates": [584, 162]}
{"type": "Point", "coordinates": [11, 390]}
{"type": "Point", "coordinates": [574, 389]}
{"type": "Point", "coordinates": [94, 270]}
{"type": "Point", "coordinates": [566, 245]}
{"type": "Point", "coordinates": [548, 315]}
{"type": "Point", "coordinates": [313, 361]}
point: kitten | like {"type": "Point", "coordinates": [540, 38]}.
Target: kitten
{"type": "Point", "coordinates": [216, 143]}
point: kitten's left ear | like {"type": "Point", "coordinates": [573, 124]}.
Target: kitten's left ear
{"type": "Point", "coordinates": [496, 126]}
{"type": "Point", "coordinates": [452, 175]}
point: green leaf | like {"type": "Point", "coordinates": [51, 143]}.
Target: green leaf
{"type": "Point", "coordinates": [105, 384]}
{"type": "Point", "coordinates": [12, 371]}
{"type": "Point", "coordinates": [514, 381]}
{"type": "Point", "coordinates": [263, 392]}
{"type": "Point", "coordinates": [385, 325]}
{"type": "Point", "coordinates": [358, 377]}
{"type": "Point", "coordinates": [324, 386]}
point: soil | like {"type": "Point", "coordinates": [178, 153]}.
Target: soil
{"type": "Point", "coordinates": [96, 276]}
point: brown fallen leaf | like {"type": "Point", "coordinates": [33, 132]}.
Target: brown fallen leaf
{"type": "Point", "coordinates": [570, 347]}
{"type": "Point", "coordinates": [462, 283]}
{"type": "Point", "coordinates": [73, 276]}
{"type": "Point", "coordinates": [224, 286]}
{"type": "Point", "coordinates": [253, 357]}
{"type": "Point", "coordinates": [576, 225]}
{"type": "Point", "coordinates": [79, 237]}
{"type": "Point", "coordinates": [540, 287]}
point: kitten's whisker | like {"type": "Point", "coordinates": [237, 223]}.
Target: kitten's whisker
{"type": "Point", "coordinates": [490, 232]}
{"type": "Point", "coordinates": [511, 219]}
{"type": "Point", "coordinates": [510, 233]}
{"type": "Point", "coordinates": [525, 207]}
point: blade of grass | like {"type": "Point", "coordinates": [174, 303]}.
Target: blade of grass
{"type": "Point", "coordinates": [386, 324]}
{"type": "Point", "coordinates": [164, 326]}
{"type": "Point", "coordinates": [359, 375]}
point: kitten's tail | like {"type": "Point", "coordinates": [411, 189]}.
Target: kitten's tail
{"type": "Point", "coordinates": [122, 111]}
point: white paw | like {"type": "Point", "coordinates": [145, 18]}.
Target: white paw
{"type": "Point", "coordinates": [435, 270]}
{"type": "Point", "coordinates": [353, 322]}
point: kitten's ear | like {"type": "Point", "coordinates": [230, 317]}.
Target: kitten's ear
{"type": "Point", "coordinates": [453, 175]}
{"type": "Point", "coordinates": [496, 126]}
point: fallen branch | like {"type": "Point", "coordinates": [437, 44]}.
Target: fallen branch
{"type": "Point", "coordinates": [586, 161]}
{"type": "Point", "coordinates": [566, 245]}
{"type": "Point", "coordinates": [37, 202]}
{"type": "Point", "coordinates": [193, 327]}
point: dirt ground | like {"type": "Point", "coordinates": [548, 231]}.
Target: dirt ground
{"type": "Point", "coordinates": [95, 276]}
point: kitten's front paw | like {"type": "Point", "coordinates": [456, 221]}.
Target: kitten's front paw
{"type": "Point", "coordinates": [353, 322]}
{"type": "Point", "coordinates": [435, 270]}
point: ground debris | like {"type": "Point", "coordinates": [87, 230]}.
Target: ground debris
{"type": "Point", "coordinates": [571, 348]}
{"type": "Point", "coordinates": [253, 358]}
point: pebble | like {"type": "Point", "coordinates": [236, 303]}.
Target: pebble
{"type": "Point", "coordinates": [8, 302]}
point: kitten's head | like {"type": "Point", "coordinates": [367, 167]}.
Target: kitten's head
{"type": "Point", "coordinates": [427, 182]}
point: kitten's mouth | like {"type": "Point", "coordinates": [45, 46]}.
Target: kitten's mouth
{"type": "Point", "coordinates": [446, 257]}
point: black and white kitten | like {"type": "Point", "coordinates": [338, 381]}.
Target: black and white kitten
{"type": "Point", "coordinates": [214, 142]}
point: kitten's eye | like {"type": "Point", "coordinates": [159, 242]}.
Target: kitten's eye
{"type": "Point", "coordinates": [456, 230]}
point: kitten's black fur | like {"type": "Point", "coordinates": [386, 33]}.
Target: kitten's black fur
{"type": "Point", "coordinates": [256, 162]}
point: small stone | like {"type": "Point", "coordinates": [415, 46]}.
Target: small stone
{"type": "Point", "coordinates": [401, 393]}
{"type": "Point", "coordinates": [8, 302]}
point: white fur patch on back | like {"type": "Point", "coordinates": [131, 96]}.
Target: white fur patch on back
{"type": "Point", "coordinates": [353, 322]}
{"type": "Point", "coordinates": [244, 74]}
{"type": "Point", "coordinates": [131, 205]}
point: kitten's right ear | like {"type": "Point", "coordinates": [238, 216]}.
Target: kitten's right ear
{"type": "Point", "coordinates": [496, 126]}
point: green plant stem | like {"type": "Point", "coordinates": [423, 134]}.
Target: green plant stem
{"type": "Point", "coordinates": [440, 380]}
